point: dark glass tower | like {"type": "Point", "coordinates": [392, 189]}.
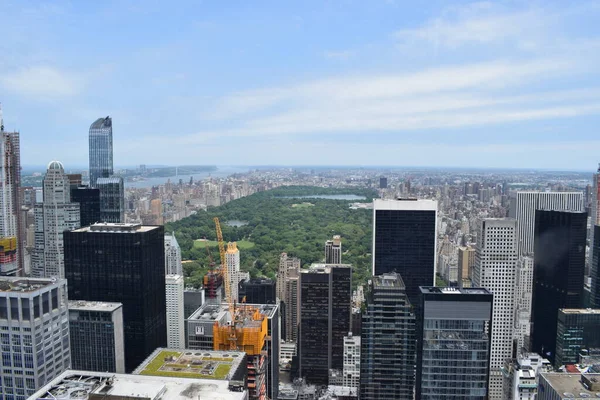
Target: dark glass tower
{"type": "Point", "coordinates": [387, 357]}
{"type": "Point", "coordinates": [89, 203]}
{"type": "Point", "coordinates": [257, 291]}
{"type": "Point", "coordinates": [595, 268]}
{"type": "Point", "coordinates": [453, 352]}
{"type": "Point", "coordinates": [101, 150]}
{"type": "Point", "coordinates": [122, 263]}
{"type": "Point", "coordinates": [404, 241]}
{"type": "Point", "coordinates": [325, 318]}
{"type": "Point", "coordinates": [112, 199]}
{"type": "Point", "coordinates": [577, 329]}
{"type": "Point", "coordinates": [558, 273]}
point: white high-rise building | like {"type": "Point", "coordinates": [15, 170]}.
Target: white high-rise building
{"type": "Point", "coordinates": [351, 370]}
{"type": "Point", "coordinates": [495, 270]}
{"type": "Point", "coordinates": [288, 280]}
{"type": "Point", "coordinates": [232, 257]}
{"type": "Point", "coordinates": [173, 264]}
{"type": "Point", "coordinates": [175, 312]}
{"type": "Point", "coordinates": [55, 215]}
{"type": "Point", "coordinates": [523, 291]}
{"type": "Point", "coordinates": [524, 204]}
{"type": "Point", "coordinates": [34, 326]}
{"type": "Point", "coordinates": [521, 376]}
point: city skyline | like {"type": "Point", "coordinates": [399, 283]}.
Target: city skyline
{"type": "Point", "coordinates": [465, 84]}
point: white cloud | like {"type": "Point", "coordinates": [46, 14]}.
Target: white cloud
{"type": "Point", "coordinates": [42, 82]}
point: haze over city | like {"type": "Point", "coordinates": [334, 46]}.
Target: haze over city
{"type": "Point", "coordinates": [468, 84]}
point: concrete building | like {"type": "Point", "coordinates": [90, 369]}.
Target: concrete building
{"type": "Point", "coordinates": [523, 206]}
{"type": "Point", "coordinates": [560, 386]}
{"type": "Point", "coordinates": [173, 264]}
{"type": "Point", "coordinates": [453, 351]}
{"type": "Point", "coordinates": [325, 318]}
{"type": "Point", "coordinates": [232, 257]}
{"type": "Point", "coordinates": [521, 376]}
{"type": "Point", "coordinates": [77, 385]}
{"type": "Point", "coordinates": [351, 370]}
{"type": "Point", "coordinates": [175, 311]}
{"type": "Point", "coordinates": [595, 221]}
{"type": "Point", "coordinates": [577, 329]}
{"type": "Point", "coordinates": [523, 290]}
{"type": "Point", "coordinates": [156, 210]}
{"type": "Point", "coordinates": [495, 270]}
{"type": "Point", "coordinates": [466, 262]}
{"type": "Point", "coordinates": [595, 268]}
{"type": "Point", "coordinates": [193, 298]}
{"type": "Point", "coordinates": [101, 150]}
{"type": "Point", "coordinates": [404, 241]}
{"type": "Point", "coordinates": [387, 355]}
{"type": "Point", "coordinates": [96, 336]}
{"type": "Point", "coordinates": [112, 199]}
{"type": "Point", "coordinates": [53, 216]}
{"type": "Point", "coordinates": [288, 280]}
{"type": "Point", "coordinates": [34, 321]}
{"type": "Point", "coordinates": [333, 250]}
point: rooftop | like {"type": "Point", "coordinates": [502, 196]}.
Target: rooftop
{"type": "Point", "coordinates": [93, 305]}
{"type": "Point", "coordinates": [570, 385]}
{"type": "Point", "coordinates": [405, 204]}
{"type": "Point", "coordinates": [453, 290]}
{"type": "Point", "coordinates": [79, 385]}
{"type": "Point", "coordinates": [101, 123]}
{"type": "Point", "coordinates": [110, 179]}
{"type": "Point", "coordinates": [198, 364]}
{"type": "Point", "coordinates": [14, 284]}
{"type": "Point", "coordinates": [117, 227]}
{"type": "Point", "coordinates": [220, 312]}
{"type": "Point", "coordinates": [593, 311]}
{"type": "Point", "coordinates": [321, 268]}
{"type": "Point", "coordinates": [388, 280]}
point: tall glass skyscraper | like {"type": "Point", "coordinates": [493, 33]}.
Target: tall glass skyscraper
{"type": "Point", "coordinates": [101, 150]}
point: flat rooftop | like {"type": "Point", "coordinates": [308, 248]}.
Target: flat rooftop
{"type": "Point", "coordinates": [219, 312]}
{"type": "Point", "coordinates": [453, 290]}
{"type": "Point", "coordinates": [567, 384]}
{"type": "Point", "coordinates": [116, 227]}
{"type": "Point", "coordinates": [388, 280]}
{"type": "Point", "coordinates": [321, 268]}
{"type": "Point", "coordinates": [592, 311]}
{"type": "Point", "coordinates": [82, 305]}
{"type": "Point", "coordinates": [405, 204]}
{"type": "Point", "coordinates": [197, 364]}
{"type": "Point", "coordinates": [83, 385]}
{"type": "Point", "coordinates": [15, 284]}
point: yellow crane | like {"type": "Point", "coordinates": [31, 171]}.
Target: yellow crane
{"type": "Point", "coordinates": [227, 282]}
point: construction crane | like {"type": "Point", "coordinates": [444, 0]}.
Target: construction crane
{"type": "Point", "coordinates": [227, 282]}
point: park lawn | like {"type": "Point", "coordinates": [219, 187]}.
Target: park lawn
{"type": "Point", "coordinates": [241, 244]}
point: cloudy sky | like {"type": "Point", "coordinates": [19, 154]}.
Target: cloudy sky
{"type": "Point", "coordinates": [442, 83]}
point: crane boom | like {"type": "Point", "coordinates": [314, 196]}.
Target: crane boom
{"type": "Point", "coordinates": [227, 282]}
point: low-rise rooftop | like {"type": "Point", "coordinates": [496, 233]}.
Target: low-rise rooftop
{"type": "Point", "coordinates": [453, 290]}
{"type": "Point", "coordinates": [118, 227]}
{"type": "Point", "coordinates": [82, 305]}
{"type": "Point", "coordinates": [14, 284]}
{"type": "Point", "coordinates": [574, 385]}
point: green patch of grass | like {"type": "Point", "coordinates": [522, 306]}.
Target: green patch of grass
{"type": "Point", "coordinates": [153, 367]}
{"type": "Point", "coordinates": [241, 244]}
{"type": "Point", "coordinates": [303, 205]}
{"type": "Point", "coordinates": [158, 361]}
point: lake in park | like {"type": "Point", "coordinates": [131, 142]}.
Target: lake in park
{"type": "Point", "coordinates": [329, 197]}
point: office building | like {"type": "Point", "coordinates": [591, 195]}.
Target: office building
{"type": "Point", "coordinates": [257, 291]}
{"type": "Point", "coordinates": [523, 290]}
{"type": "Point", "coordinates": [12, 231]}
{"type": "Point", "coordinates": [595, 218]}
{"type": "Point", "coordinates": [288, 281]}
{"type": "Point", "coordinates": [495, 270]}
{"type": "Point", "coordinates": [521, 376]}
{"type": "Point", "coordinates": [523, 207]}
{"type": "Point", "coordinates": [78, 385]}
{"type": "Point", "coordinates": [122, 263]}
{"type": "Point", "coordinates": [351, 370]}
{"type": "Point", "coordinates": [560, 386]}
{"type": "Point", "coordinates": [101, 150]}
{"type": "Point", "coordinates": [325, 318]}
{"type": "Point", "coordinates": [34, 321]}
{"type": "Point", "coordinates": [404, 241]}
{"type": "Point", "coordinates": [595, 268]}
{"type": "Point", "coordinates": [89, 204]}
{"type": "Point", "coordinates": [577, 329]}
{"type": "Point", "coordinates": [558, 273]}
{"type": "Point", "coordinates": [53, 216]}
{"type": "Point", "coordinates": [383, 184]}
{"type": "Point", "coordinates": [387, 359]}
{"type": "Point", "coordinates": [175, 312]}
{"type": "Point", "coordinates": [453, 353]}
{"type": "Point", "coordinates": [96, 336]}
{"type": "Point", "coordinates": [193, 298]}
{"type": "Point", "coordinates": [112, 199]}
{"type": "Point", "coordinates": [333, 250]}
{"type": "Point", "coordinates": [173, 264]}
{"type": "Point", "coordinates": [466, 262]}
{"type": "Point", "coordinates": [156, 211]}
{"type": "Point", "coordinates": [232, 257]}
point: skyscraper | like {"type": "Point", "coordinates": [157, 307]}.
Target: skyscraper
{"type": "Point", "coordinates": [89, 203]}
{"type": "Point", "coordinates": [122, 263]}
{"type": "Point", "coordinates": [523, 206]}
{"type": "Point", "coordinates": [53, 216]}
{"type": "Point", "coordinates": [523, 291]}
{"type": "Point", "coordinates": [325, 315]}
{"type": "Point", "coordinates": [96, 336]}
{"type": "Point", "coordinates": [595, 267]}
{"type": "Point", "coordinates": [12, 235]}
{"type": "Point", "coordinates": [257, 291]}
{"type": "Point", "coordinates": [173, 264]}
{"type": "Point", "coordinates": [387, 359]}
{"type": "Point", "coordinates": [404, 241]}
{"type": "Point", "coordinates": [112, 199]}
{"type": "Point", "coordinates": [34, 322]}
{"type": "Point", "coordinates": [333, 250]}
{"type": "Point", "coordinates": [495, 270]}
{"type": "Point", "coordinates": [101, 150]}
{"type": "Point", "coordinates": [351, 371]}
{"type": "Point", "coordinates": [288, 282]}
{"type": "Point", "coordinates": [175, 312]}
{"type": "Point", "coordinates": [558, 273]}
{"type": "Point", "coordinates": [577, 329]}
{"type": "Point", "coordinates": [232, 256]}
{"type": "Point", "coordinates": [594, 211]}
{"type": "Point", "coordinates": [453, 354]}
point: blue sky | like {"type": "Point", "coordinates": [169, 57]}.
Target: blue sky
{"type": "Point", "coordinates": [474, 84]}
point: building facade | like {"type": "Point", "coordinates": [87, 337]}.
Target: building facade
{"type": "Point", "coordinates": [560, 386]}
{"type": "Point", "coordinates": [595, 267]}
{"type": "Point", "coordinates": [404, 241]}
{"type": "Point", "coordinates": [325, 318]}
{"type": "Point", "coordinates": [453, 353]}
{"type": "Point", "coordinates": [96, 336]}
{"type": "Point", "coordinates": [288, 282]}
{"type": "Point", "coordinates": [101, 150]}
{"type": "Point", "coordinates": [122, 263]}
{"type": "Point", "coordinates": [466, 262]}
{"type": "Point", "coordinates": [89, 203]}
{"type": "Point", "coordinates": [523, 290]}
{"type": "Point", "coordinates": [112, 199]}
{"type": "Point", "coordinates": [53, 216]}
{"type": "Point", "coordinates": [521, 376]}
{"type": "Point", "coordinates": [34, 326]}
{"type": "Point", "coordinates": [175, 312]}
{"type": "Point", "coordinates": [558, 273]}
{"type": "Point", "coordinates": [351, 371]}
{"type": "Point", "coordinates": [173, 264]}
{"type": "Point", "coordinates": [387, 359]}
{"type": "Point", "coordinates": [495, 270]}
{"type": "Point", "coordinates": [257, 291]}
{"type": "Point", "coordinates": [577, 329]}
{"type": "Point", "coordinates": [595, 220]}
{"type": "Point", "coordinates": [333, 250]}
